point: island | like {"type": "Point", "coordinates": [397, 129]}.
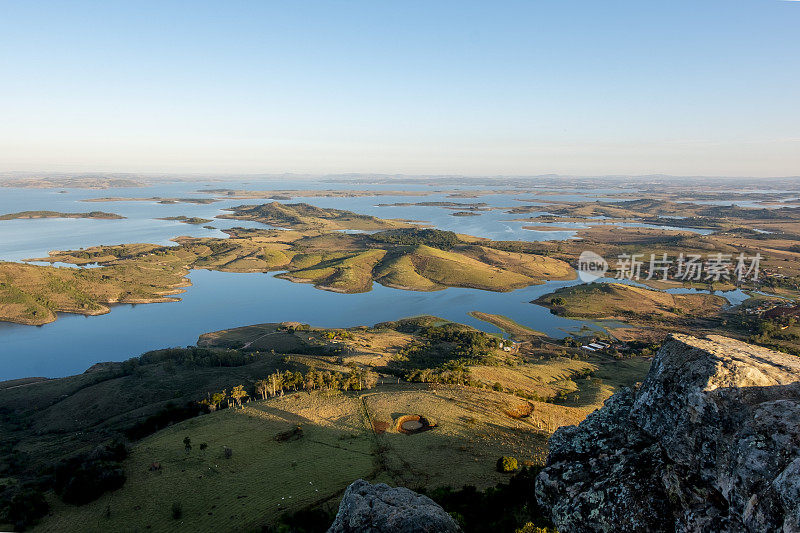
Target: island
{"type": "Point", "coordinates": [74, 182]}
{"type": "Point", "coordinates": [288, 194]}
{"type": "Point", "coordinates": [405, 257]}
{"type": "Point", "coordinates": [156, 199]}
{"type": "Point", "coordinates": [22, 215]}
{"type": "Point", "coordinates": [304, 216]}
{"type": "Point", "coordinates": [188, 220]}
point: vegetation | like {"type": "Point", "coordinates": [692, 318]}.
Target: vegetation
{"type": "Point", "coordinates": [58, 214]}
{"type": "Point", "coordinates": [31, 294]}
{"type": "Point", "coordinates": [510, 506]}
{"type": "Point", "coordinates": [188, 220]}
{"type": "Point", "coordinates": [515, 330]}
{"type": "Point", "coordinates": [507, 464]}
{"type": "Point", "coordinates": [84, 477]}
{"type": "Point", "coordinates": [146, 273]}
{"type": "Point", "coordinates": [306, 217]}
{"type": "Point", "coordinates": [635, 305]}
{"type": "Point", "coordinates": [444, 352]}
{"type": "Point", "coordinates": [184, 410]}
{"type": "Point", "coordinates": [434, 238]}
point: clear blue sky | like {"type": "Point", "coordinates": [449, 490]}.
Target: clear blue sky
{"type": "Point", "coordinates": [574, 87]}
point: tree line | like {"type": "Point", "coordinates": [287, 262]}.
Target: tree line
{"type": "Point", "coordinates": [281, 381]}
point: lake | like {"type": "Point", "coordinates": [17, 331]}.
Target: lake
{"type": "Point", "coordinates": [219, 300]}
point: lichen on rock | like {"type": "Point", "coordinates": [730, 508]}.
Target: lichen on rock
{"type": "Point", "coordinates": [380, 508]}
{"type": "Point", "coordinates": [709, 442]}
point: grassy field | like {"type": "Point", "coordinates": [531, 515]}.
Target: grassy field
{"type": "Point", "coordinates": [262, 479]}
{"type": "Point", "coordinates": [32, 294]}
{"type": "Point", "coordinates": [635, 305]}
{"type": "Point", "coordinates": [373, 347]}
{"type": "Point", "coordinates": [339, 443]}
{"type": "Point", "coordinates": [345, 434]}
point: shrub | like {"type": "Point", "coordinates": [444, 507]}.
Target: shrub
{"type": "Point", "coordinates": [507, 464]}
{"type": "Point", "coordinates": [90, 480]}
{"type": "Point", "coordinates": [507, 507]}
{"type": "Point", "coordinates": [84, 478]}
{"type": "Point", "coordinates": [24, 509]}
{"type": "Point", "coordinates": [170, 414]}
{"type": "Point", "coordinates": [444, 240]}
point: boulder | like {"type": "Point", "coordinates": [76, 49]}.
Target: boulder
{"type": "Point", "coordinates": [380, 508]}
{"type": "Point", "coordinates": [710, 441]}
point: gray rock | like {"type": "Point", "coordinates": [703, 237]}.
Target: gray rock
{"type": "Point", "coordinates": [709, 442]}
{"type": "Point", "coordinates": [378, 508]}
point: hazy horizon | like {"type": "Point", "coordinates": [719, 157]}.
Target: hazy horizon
{"type": "Point", "coordinates": [468, 88]}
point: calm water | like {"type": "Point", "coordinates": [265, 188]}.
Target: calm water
{"type": "Point", "coordinates": [220, 300]}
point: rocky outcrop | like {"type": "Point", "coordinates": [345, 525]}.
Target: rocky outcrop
{"type": "Point", "coordinates": [380, 508]}
{"type": "Point", "coordinates": [710, 441]}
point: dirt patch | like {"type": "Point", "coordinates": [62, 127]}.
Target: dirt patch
{"type": "Point", "coordinates": [379, 426]}
{"type": "Point", "coordinates": [412, 424]}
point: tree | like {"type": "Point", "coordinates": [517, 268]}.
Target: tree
{"type": "Point", "coordinates": [262, 388]}
{"type": "Point", "coordinates": [370, 379]}
{"type": "Point", "coordinates": [238, 394]}
{"type": "Point", "coordinates": [217, 398]}
{"type": "Point", "coordinates": [276, 381]}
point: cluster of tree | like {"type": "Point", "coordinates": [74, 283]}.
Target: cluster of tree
{"type": "Point", "coordinates": [749, 213]}
{"type": "Point", "coordinates": [451, 373]}
{"type": "Point", "coordinates": [338, 334]}
{"type": "Point", "coordinates": [79, 479]}
{"type": "Point", "coordinates": [22, 507]}
{"type": "Point", "coordinates": [304, 521]}
{"type": "Point", "coordinates": [192, 356]}
{"type": "Point", "coordinates": [280, 381]}
{"type": "Point", "coordinates": [448, 343]}
{"type": "Point", "coordinates": [277, 382]}
{"type": "Point", "coordinates": [84, 477]}
{"type": "Point", "coordinates": [772, 282]}
{"type": "Point", "coordinates": [221, 399]}
{"type": "Point", "coordinates": [643, 348]}
{"type": "Point", "coordinates": [295, 327]}
{"type": "Point", "coordinates": [509, 506]}
{"type": "Point", "coordinates": [467, 342]}
{"type": "Point", "coordinates": [779, 334]}
{"type": "Point", "coordinates": [435, 238]}
{"type": "Point", "coordinates": [168, 415]}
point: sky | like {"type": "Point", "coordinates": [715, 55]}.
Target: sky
{"type": "Point", "coordinates": [415, 87]}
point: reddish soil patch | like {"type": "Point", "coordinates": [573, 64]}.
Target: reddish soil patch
{"type": "Point", "coordinates": [380, 426]}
